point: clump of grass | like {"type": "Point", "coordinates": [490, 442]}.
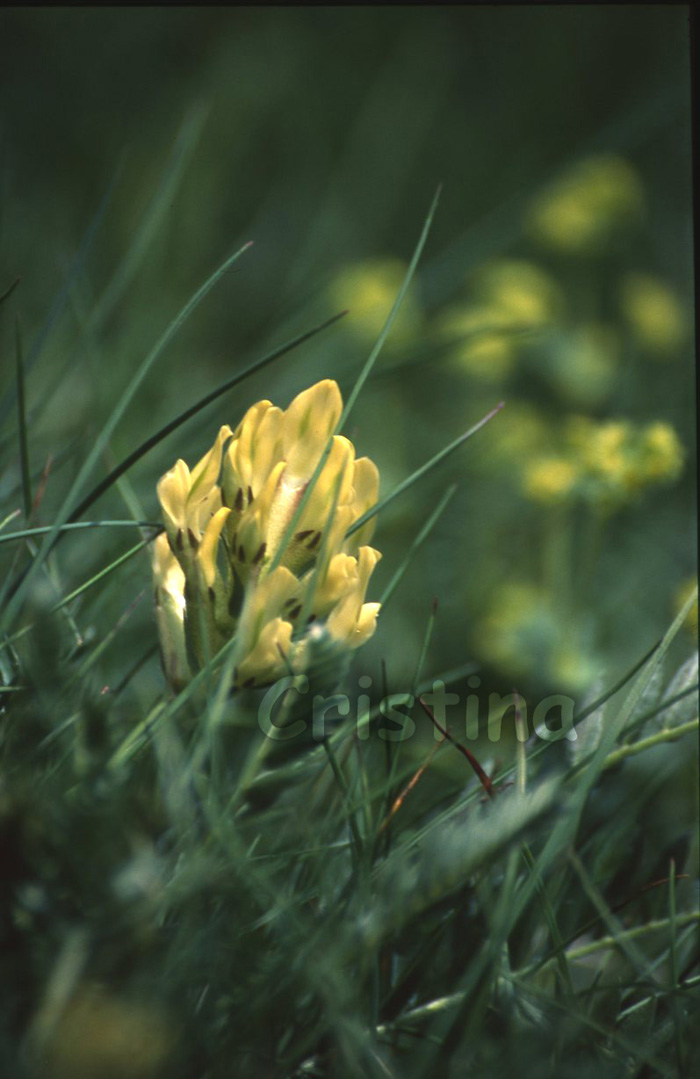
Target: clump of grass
{"type": "Point", "coordinates": [185, 896]}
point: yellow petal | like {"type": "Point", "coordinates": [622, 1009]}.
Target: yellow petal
{"type": "Point", "coordinates": [266, 660]}
{"type": "Point", "coordinates": [206, 472]}
{"type": "Point", "coordinates": [365, 484]}
{"type": "Point", "coordinates": [349, 622]}
{"type": "Point", "coordinates": [206, 555]}
{"type": "Point", "coordinates": [308, 424]}
{"type": "Point", "coordinates": [172, 491]}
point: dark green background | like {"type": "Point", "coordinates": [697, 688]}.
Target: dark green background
{"type": "Point", "coordinates": [324, 135]}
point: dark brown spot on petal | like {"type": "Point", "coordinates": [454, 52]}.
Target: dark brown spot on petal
{"type": "Point", "coordinates": [294, 613]}
{"type": "Point", "coordinates": [249, 682]}
{"type": "Point", "coordinates": [241, 553]}
{"type": "Point", "coordinates": [212, 593]}
{"type": "Point", "coordinates": [223, 498]}
{"type": "Point", "coordinates": [194, 542]}
{"type": "Point", "coordinates": [310, 619]}
{"type": "Point", "coordinates": [250, 494]}
{"type": "Point", "coordinates": [239, 499]}
{"type": "Point", "coordinates": [179, 540]}
{"type": "Point", "coordinates": [260, 553]}
{"type": "Point", "coordinates": [301, 536]}
{"type": "Point", "coordinates": [313, 542]}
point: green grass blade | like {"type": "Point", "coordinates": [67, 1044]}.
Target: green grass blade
{"type": "Point", "coordinates": [22, 425]}
{"type": "Point", "coordinates": [424, 647]}
{"type": "Point", "coordinates": [8, 291]}
{"type": "Point", "coordinates": [173, 425]}
{"type": "Point", "coordinates": [565, 828]}
{"type": "Point", "coordinates": [354, 393]}
{"type": "Point", "coordinates": [417, 543]}
{"type": "Point", "coordinates": [103, 438]}
{"type": "Point", "coordinates": [44, 530]}
{"type": "Point", "coordinates": [61, 301]}
{"type": "Point", "coordinates": [605, 697]}
{"type": "Point", "coordinates": [423, 470]}
{"type": "Point", "coordinates": [153, 218]}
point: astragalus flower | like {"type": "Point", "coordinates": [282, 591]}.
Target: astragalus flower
{"type": "Point", "coordinates": [226, 567]}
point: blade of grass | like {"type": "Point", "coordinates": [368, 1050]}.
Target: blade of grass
{"type": "Point", "coordinates": [105, 434]}
{"type": "Point", "coordinates": [423, 470]}
{"type": "Point", "coordinates": [83, 588]}
{"type": "Point", "coordinates": [153, 218]}
{"type": "Point", "coordinates": [8, 291]}
{"type": "Point", "coordinates": [173, 425]}
{"type": "Point", "coordinates": [10, 517]}
{"type": "Point", "coordinates": [22, 424]}
{"type": "Point", "coordinates": [673, 965]}
{"type": "Point", "coordinates": [564, 829]}
{"type": "Point", "coordinates": [354, 393]}
{"type": "Point", "coordinates": [424, 647]}
{"type": "Point", "coordinates": [43, 530]}
{"type": "Point", "coordinates": [59, 304]}
{"type": "Point", "coordinates": [417, 543]}
{"type": "Point", "coordinates": [634, 955]}
{"type": "Point", "coordinates": [669, 734]}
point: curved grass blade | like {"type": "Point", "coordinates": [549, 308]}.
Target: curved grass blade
{"type": "Point", "coordinates": [354, 393]}
{"type": "Point", "coordinates": [105, 434]}
{"type": "Point", "coordinates": [423, 470]}
{"type": "Point", "coordinates": [173, 425]}
{"type": "Point", "coordinates": [22, 425]}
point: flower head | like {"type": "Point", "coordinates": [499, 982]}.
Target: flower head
{"type": "Point", "coordinates": [225, 566]}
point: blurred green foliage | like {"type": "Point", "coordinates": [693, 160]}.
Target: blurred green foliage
{"type": "Point", "coordinates": [557, 276]}
{"type": "Point", "coordinates": [140, 146]}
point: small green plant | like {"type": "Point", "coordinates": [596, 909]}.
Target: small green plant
{"type": "Point", "coordinates": [225, 857]}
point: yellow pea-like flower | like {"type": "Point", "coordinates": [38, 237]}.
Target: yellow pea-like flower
{"type": "Point", "coordinates": [225, 522]}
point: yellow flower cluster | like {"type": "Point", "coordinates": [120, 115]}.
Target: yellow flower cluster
{"type": "Point", "coordinates": [222, 567]}
{"type": "Point", "coordinates": [653, 313]}
{"type": "Point", "coordinates": [523, 630]}
{"type": "Point", "coordinates": [368, 290]}
{"type": "Point", "coordinates": [605, 462]}
{"type": "Point", "coordinates": [581, 212]}
{"type": "Point", "coordinates": [508, 296]}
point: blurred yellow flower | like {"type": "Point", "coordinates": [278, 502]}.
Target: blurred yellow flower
{"type": "Point", "coordinates": [523, 631]}
{"type": "Point", "coordinates": [225, 523]}
{"type": "Point", "coordinates": [618, 459]}
{"type": "Point", "coordinates": [580, 212]}
{"type": "Point", "coordinates": [479, 346]}
{"type": "Point", "coordinates": [368, 290]}
{"type": "Point", "coordinates": [549, 479]}
{"type": "Point", "coordinates": [520, 293]}
{"type": "Point", "coordinates": [604, 453]}
{"type": "Point", "coordinates": [662, 453]}
{"type": "Point", "coordinates": [98, 1035]}
{"type": "Point", "coordinates": [584, 363]}
{"type": "Point", "coordinates": [525, 432]}
{"type": "Point", "coordinates": [653, 313]}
